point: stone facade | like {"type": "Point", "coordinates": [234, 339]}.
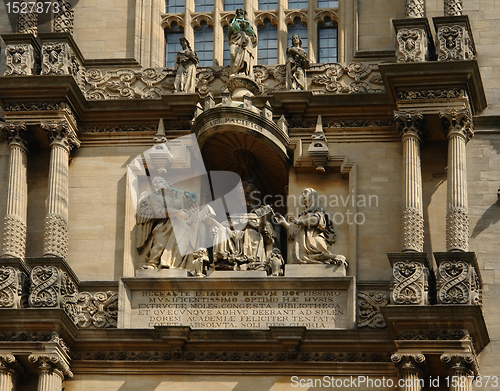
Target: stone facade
{"type": "Point", "coordinates": [370, 248]}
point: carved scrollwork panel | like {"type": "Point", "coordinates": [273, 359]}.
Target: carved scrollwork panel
{"type": "Point", "coordinates": [20, 60]}
{"type": "Point", "coordinates": [409, 283]}
{"type": "Point", "coordinates": [98, 310]}
{"type": "Point", "coordinates": [369, 314]}
{"type": "Point", "coordinates": [45, 286]}
{"type": "Point", "coordinates": [13, 288]}
{"type": "Point", "coordinates": [458, 283]}
{"type": "Point", "coordinates": [455, 43]}
{"type": "Point", "coordinates": [58, 59]}
{"type": "Point", "coordinates": [411, 45]}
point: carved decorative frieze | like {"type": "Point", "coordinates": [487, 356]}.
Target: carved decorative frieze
{"type": "Point", "coordinates": [127, 128]}
{"type": "Point", "coordinates": [415, 9]}
{"type": "Point", "coordinates": [447, 93]}
{"type": "Point", "coordinates": [98, 310]}
{"type": "Point", "coordinates": [461, 365]}
{"type": "Point", "coordinates": [369, 314]}
{"type": "Point", "coordinates": [53, 288]}
{"type": "Point", "coordinates": [454, 37]}
{"type": "Point", "coordinates": [434, 335]}
{"type": "Point", "coordinates": [32, 106]}
{"type": "Point", "coordinates": [410, 278]}
{"type": "Point", "coordinates": [31, 336]}
{"type": "Point", "coordinates": [215, 356]}
{"type": "Point", "coordinates": [457, 280]}
{"type": "Point", "coordinates": [65, 18]}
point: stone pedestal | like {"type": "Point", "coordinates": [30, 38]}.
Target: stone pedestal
{"type": "Point", "coordinates": [411, 370]}
{"type": "Point", "coordinates": [412, 226]}
{"type": "Point", "coordinates": [454, 38]}
{"type": "Point", "coordinates": [414, 40]}
{"type": "Point", "coordinates": [53, 285]}
{"type": "Point", "coordinates": [410, 279]}
{"type": "Point", "coordinates": [458, 128]}
{"type": "Point", "coordinates": [458, 279]}
{"type": "Point", "coordinates": [22, 53]}
{"type": "Point", "coordinates": [14, 229]}
{"type": "Point", "coordinates": [62, 139]}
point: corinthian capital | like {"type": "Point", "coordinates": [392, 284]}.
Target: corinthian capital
{"type": "Point", "coordinates": [409, 362]}
{"type": "Point", "coordinates": [16, 134]}
{"type": "Point", "coordinates": [457, 122]}
{"type": "Point", "coordinates": [409, 123]}
{"type": "Point", "coordinates": [465, 364]}
{"type": "Point", "coordinates": [60, 133]}
{"type": "Point", "coordinates": [8, 363]}
{"type": "Point", "coordinates": [51, 362]}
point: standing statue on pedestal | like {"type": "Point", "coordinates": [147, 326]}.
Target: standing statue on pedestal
{"type": "Point", "coordinates": [296, 64]}
{"type": "Point", "coordinates": [312, 233]}
{"type": "Point", "coordinates": [242, 39]}
{"type": "Point", "coordinates": [186, 63]}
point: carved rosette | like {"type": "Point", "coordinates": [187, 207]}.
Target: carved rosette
{"type": "Point", "coordinates": [415, 9]}
{"type": "Point", "coordinates": [458, 282]}
{"type": "Point", "coordinates": [65, 18]}
{"type": "Point", "coordinates": [20, 60]}
{"type": "Point", "coordinates": [369, 314]}
{"type": "Point", "coordinates": [453, 7]}
{"type": "Point", "coordinates": [461, 365]}
{"type": "Point", "coordinates": [99, 310]}
{"type": "Point", "coordinates": [51, 287]}
{"type": "Point", "coordinates": [410, 279]}
{"type": "Point", "coordinates": [13, 288]}
{"type": "Point", "coordinates": [58, 59]}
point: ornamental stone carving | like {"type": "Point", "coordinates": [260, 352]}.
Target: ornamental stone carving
{"type": "Point", "coordinates": [409, 362]}
{"type": "Point", "coordinates": [27, 22]}
{"type": "Point", "coordinates": [415, 9]}
{"type": "Point", "coordinates": [453, 7]}
{"type": "Point", "coordinates": [55, 239]}
{"type": "Point", "coordinates": [369, 314]}
{"type": "Point", "coordinates": [454, 38]}
{"type": "Point", "coordinates": [13, 288]}
{"type": "Point", "coordinates": [97, 310]}
{"type": "Point", "coordinates": [64, 19]}
{"type": "Point", "coordinates": [414, 40]}
{"type": "Point", "coordinates": [52, 287]}
{"type": "Point", "coordinates": [410, 279]}
{"type": "Point", "coordinates": [61, 134]}
{"type": "Point", "coordinates": [20, 60]}
{"type": "Point", "coordinates": [53, 369]}
{"type": "Point", "coordinates": [58, 59]}
{"type": "Point", "coordinates": [461, 365]}
{"type": "Point", "coordinates": [458, 281]}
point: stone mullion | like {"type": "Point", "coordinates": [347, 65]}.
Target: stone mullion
{"type": "Point", "coordinates": [412, 225]}
{"type": "Point", "coordinates": [414, 9]}
{"type": "Point", "coordinates": [453, 7]}
{"type": "Point", "coordinates": [14, 230]}
{"type": "Point", "coordinates": [457, 220]}
{"type": "Point", "coordinates": [411, 370]}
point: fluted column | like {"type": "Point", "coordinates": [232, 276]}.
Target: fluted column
{"type": "Point", "coordinates": [14, 226]}
{"type": "Point", "coordinates": [453, 7]}
{"type": "Point", "coordinates": [8, 375]}
{"type": "Point", "coordinates": [410, 126]}
{"type": "Point", "coordinates": [461, 370]}
{"type": "Point", "coordinates": [52, 370]}
{"type": "Point", "coordinates": [55, 237]}
{"type": "Point", "coordinates": [458, 129]}
{"type": "Point", "coordinates": [410, 368]}
{"type": "Point", "coordinates": [414, 9]}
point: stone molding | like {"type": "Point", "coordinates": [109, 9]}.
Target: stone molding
{"type": "Point", "coordinates": [369, 314]}
{"type": "Point", "coordinates": [458, 280]}
{"type": "Point", "coordinates": [410, 279]}
{"type": "Point", "coordinates": [444, 93]}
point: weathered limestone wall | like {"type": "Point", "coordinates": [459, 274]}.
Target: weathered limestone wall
{"type": "Point", "coordinates": [194, 382]}
{"type": "Point", "coordinates": [97, 193]}
{"type": "Point", "coordinates": [105, 28]}
{"type": "Point", "coordinates": [483, 160]}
